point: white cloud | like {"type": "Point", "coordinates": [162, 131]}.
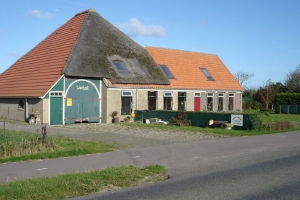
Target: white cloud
{"type": "Point", "coordinates": [135, 28]}
{"type": "Point", "coordinates": [39, 14]}
{"type": "Point", "coordinates": [15, 55]}
{"type": "Point", "coordinates": [56, 10]}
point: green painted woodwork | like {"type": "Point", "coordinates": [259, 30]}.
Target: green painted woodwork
{"type": "Point", "coordinates": [96, 83]}
{"type": "Point", "coordinates": [81, 102]}
{"type": "Point", "coordinates": [46, 96]}
{"type": "Point", "coordinates": [197, 118]}
{"type": "Point", "coordinates": [56, 110]}
{"type": "Point", "coordinates": [59, 86]}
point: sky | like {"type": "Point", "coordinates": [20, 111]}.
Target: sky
{"type": "Point", "coordinates": [259, 37]}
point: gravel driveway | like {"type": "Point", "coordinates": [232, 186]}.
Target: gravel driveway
{"type": "Point", "coordinates": [119, 133]}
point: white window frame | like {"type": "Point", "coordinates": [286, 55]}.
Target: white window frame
{"type": "Point", "coordinates": [126, 95]}
{"type": "Point", "coordinates": [168, 94]}
{"type": "Point", "coordinates": [56, 93]}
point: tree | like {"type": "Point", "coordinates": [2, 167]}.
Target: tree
{"type": "Point", "coordinates": [268, 93]}
{"type": "Point", "coordinates": [292, 80]}
{"type": "Point", "coordinates": [242, 77]}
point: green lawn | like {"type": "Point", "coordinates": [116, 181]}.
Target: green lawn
{"type": "Point", "coordinates": [22, 146]}
{"type": "Point", "coordinates": [80, 184]}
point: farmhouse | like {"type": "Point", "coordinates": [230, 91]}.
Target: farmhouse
{"type": "Point", "coordinates": [87, 68]}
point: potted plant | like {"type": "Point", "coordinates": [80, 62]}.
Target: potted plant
{"type": "Point", "coordinates": [229, 126]}
{"type": "Point", "coordinates": [115, 118]}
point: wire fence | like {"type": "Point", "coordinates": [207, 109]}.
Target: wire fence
{"type": "Point", "coordinates": [9, 124]}
{"type": "Point", "coordinates": [290, 109]}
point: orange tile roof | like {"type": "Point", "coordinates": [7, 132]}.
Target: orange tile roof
{"type": "Point", "coordinates": [34, 73]}
{"type": "Point", "coordinates": [185, 65]}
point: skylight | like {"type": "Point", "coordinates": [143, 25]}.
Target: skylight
{"type": "Point", "coordinates": [166, 71]}
{"type": "Point", "coordinates": [207, 74]}
{"type": "Point", "coordinates": [120, 66]}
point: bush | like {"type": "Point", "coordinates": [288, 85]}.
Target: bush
{"type": "Point", "coordinates": [256, 121]}
{"type": "Point", "coordinates": [126, 119]}
{"type": "Point", "coordinates": [277, 125]}
{"type": "Point", "coordinates": [180, 120]}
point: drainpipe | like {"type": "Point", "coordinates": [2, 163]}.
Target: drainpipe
{"type": "Point", "coordinates": [26, 109]}
{"type": "Point", "coordinates": [100, 96]}
{"type": "Point", "coordinates": [137, 101]}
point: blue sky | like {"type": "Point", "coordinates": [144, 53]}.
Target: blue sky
{"type": "Point", "coordinates": [260, 37]}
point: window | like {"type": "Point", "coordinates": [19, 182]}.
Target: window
{"type": "Point", "coordinates": [230, 102]}
{"type": "Point", "coordinates": [21, 104]}
{"type": "Point", "coordinates": [181, 100]}
{"type": "Point", "coordinates": [210, 101]}
{"type": "Point", "coordinates": [167, 71]}
{"type": "Point", "coordinates": [168, 97]}
{"type": "Point", "coordinates": [126, 100]}
{"type": "Point", "coordinates": [56, 94]}
{"type": "Point", "coordinates": [152, 97]}
{"type": "Point", "coordinates": [207, 74]}
{"type": "Point", "coordinates": [127, 93]}
{"type": "Point", "coordinates": [197, 94]}
{"type": "Point", "coordinates": [120, 66]}
{"type": "Point", "coordinates": [221, 102]}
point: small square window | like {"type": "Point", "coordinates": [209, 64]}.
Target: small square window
{"type": "Point", "coordinates": [167, 71]}
{"type": "Point", "coordinates": [120, 66]}
{"type": "Point", "coordinates": [21, 104]}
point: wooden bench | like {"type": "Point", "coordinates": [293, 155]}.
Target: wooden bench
{"type": "Point", "coordinates": [217, 124]}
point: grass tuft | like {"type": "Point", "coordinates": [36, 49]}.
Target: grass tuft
{"type": "Point", "coordinates": [22, 146]}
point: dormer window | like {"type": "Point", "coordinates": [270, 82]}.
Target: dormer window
{"type": "Point", "coordinates": [167, 71]}
{"type": "Point", "coordinates": [120, 66]}
{"type": "Point", "coordinates": [207, 74]}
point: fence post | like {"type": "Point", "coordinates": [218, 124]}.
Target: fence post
{"type": "Point", "coordinates": [44, 133]}
{"type": "Point", "coordinates": [280, 108]}
{"type": "Point", "coordinates": [4, 127]}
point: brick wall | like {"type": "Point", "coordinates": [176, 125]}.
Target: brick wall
{"type": "Point", "coordinates": [9, 107]}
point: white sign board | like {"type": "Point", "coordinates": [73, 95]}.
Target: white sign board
{"type": "Point", "coordinates": [237, 120]}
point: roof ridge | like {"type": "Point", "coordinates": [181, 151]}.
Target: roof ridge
{"type": "Point", "coordinates": [179, 50]}
{"type": "Point", "coordinates": [86, 11]}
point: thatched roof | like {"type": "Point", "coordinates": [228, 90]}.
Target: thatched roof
{"type": "Point", "coordinates": [99, 43]}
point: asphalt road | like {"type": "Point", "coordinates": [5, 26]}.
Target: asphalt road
{"type": "Point", "coordinates": [257, 167]}
{"type": "Point", "coordinates": [260, 167]}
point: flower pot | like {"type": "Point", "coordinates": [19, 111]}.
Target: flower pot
{"type": "Point", "coordinates": [116, 119]}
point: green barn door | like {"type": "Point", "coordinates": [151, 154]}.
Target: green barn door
{"type": "Point", "coordinates": [56, 110]}
{"type": "Point", "coordinates": [82, 103]}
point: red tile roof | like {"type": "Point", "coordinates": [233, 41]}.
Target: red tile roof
{"type": "Point", "coordinates": [34, 73]}
{"type": "Point", "coordinates": [185, 66]}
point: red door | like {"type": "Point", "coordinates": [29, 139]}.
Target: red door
{"type": "Point", "coordinates": [197, 104]}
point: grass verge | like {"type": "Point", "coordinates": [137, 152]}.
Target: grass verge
{"type": "Point", "coordinates": [80, 184]}
{"type": "Point", "coordinates": [21, 146]}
